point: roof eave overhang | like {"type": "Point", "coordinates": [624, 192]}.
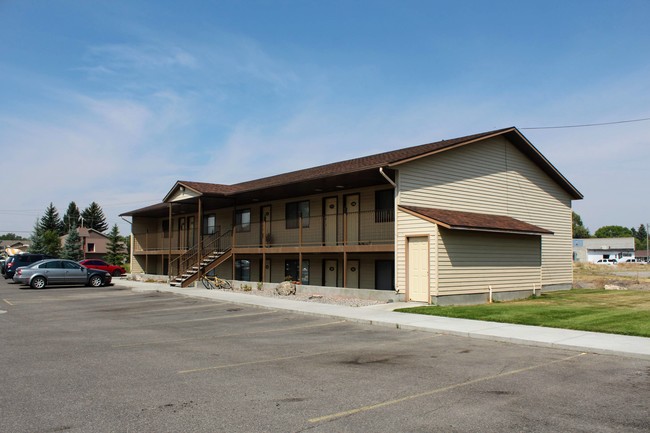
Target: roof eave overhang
{"type": "Point", "coordinates": [475, 229]}
{"type": "Point", "coordinates": [523, 144]}
{"type": "Point", "coordinates": [180, 186]}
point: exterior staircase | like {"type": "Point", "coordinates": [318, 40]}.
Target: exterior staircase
{"type": "Point", "coordinates": [191, 265]}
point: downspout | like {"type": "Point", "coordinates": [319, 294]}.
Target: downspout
{"type": "Point", "coordinates": [381, 171]}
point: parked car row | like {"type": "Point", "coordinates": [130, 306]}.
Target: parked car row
{"type": "Point", "coordinates": [60, 271]}
{"type": "Point", "coordinates": [40, 270]}
{"type": "Point", "coordinates": [623, 260]}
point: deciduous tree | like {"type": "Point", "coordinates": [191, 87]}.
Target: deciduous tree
{"type": "Point", "coordinates": [613, 232]}
{"type": "Point", "coordinates": [579, 230]}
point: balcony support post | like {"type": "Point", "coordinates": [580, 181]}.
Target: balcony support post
{"type": "Point", "coordinates": [300, 249]}
{"type": "Point", "coordinates": [169, 251]}
{"type": "Point", "coordinates": [345, 268]}
{"type": "Point", "coordinates": [199, 230]}
{"type": "Point", "coordinates": [264, 250]}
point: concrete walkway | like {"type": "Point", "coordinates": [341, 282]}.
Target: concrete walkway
{"type": "Point", "coordinates": [383, 315]}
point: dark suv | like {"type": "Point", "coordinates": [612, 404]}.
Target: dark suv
{"type": "Point", "coordinates": [25, 259]}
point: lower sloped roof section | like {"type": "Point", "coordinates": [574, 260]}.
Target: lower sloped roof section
{"type": "Point", "coordinates": [459, 220]}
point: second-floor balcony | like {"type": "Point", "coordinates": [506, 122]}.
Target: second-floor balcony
{"type": "Point", "coordinates": [356, 231]}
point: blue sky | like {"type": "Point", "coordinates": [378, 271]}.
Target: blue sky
{"type": "Point", "coordinates": [113, 101]}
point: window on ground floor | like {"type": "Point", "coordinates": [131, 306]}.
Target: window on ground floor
{"type": "Point", "coordinates": [292, 271]}
{"type": "Point", "coordinates": [243, 270]}
{"type": "Point", "coordinates": [385, 274]}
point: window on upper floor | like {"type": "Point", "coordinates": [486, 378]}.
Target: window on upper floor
{"type": "Point", "coordinates": [385, 206]}
{"type": "Point", "coordinates": [209, 224]}
{"type": "Point", "coordinates": [243, 220]}
{"type": "Point", "coordinates": [165, 228]}
{"type": "Point", "coordinates": [294, 211]}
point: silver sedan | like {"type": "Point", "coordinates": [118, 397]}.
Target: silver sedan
{"type": "Point", "coordinates": [60, 271]}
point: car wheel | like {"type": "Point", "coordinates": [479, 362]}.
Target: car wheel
{"type": "Point", "coordinates": [38, 283]}
{"type": "Point", "coordinates": [117, 273]}
{"type": "Point", "coordinates": [96, 281]}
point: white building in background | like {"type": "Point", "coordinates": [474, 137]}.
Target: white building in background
{"type": "Point", "coordinates": [593, 249]}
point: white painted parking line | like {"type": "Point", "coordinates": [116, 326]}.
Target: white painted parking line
{"type": "Point", "coordinates": [188, 307]}
{"type": "Point", "coordinates": [304, 355]}
{"type": "Point", "coordinates": [209, 318]}
{"type": "Point", "coordinates": [179, 340]}
{"type": "Point", "coordinates": [436, 391]}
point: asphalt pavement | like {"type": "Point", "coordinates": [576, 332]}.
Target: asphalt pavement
{"type": "Point", "coordinates": [384, 315]}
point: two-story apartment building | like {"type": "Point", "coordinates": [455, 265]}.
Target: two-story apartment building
{"type": "Point", "coordinates": [453, 221]}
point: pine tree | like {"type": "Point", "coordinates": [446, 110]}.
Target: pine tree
{"type": "Point", "coordinates": [72, 248]}
{"type": "Point", "coordinates": [38, 243]}
{"type": "Point", "coordinates": [71, 217]}
{"type": "Point", "coordinates": [51, 243]}
{"type": "Point", "coordinates": [115, 247]}
{"type": "Point", "coordinates": [93, 218]}
{"type": "Point", "coordinates": [641, 233]}
{"type": "Point", "coordinates": [51, 221]}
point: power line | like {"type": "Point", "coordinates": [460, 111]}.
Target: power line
{"type": "Point", "coordinates": [585, 125]}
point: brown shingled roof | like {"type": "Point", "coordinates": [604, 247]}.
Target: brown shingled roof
{"type": "Point", "coordinates": [385, 159]}
{"type": "Point", "coordinates": [356, 171]}
{"type": "Point", "coordinates": [356, 164]}
{"type": "Point", "coordinates": [457, 220]}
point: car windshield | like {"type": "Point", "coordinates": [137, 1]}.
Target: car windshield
{"type": "Point", "coordinates": [35, 264]}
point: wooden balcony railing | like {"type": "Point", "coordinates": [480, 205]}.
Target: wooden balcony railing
{"type": "Point", "coordinates": [355, 228]}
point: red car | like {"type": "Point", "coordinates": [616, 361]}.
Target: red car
{"type": "Point", "coordinates": [114, 270]}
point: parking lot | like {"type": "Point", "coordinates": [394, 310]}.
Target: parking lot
{"type": "Point", "coordinates": [80, 359]}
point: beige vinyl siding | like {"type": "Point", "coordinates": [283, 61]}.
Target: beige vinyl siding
{"type": "Point", "coordinates": [409, 225]}
{"type": "Point", "coordinates": [472, 262]}
{"type": "Point", "coordinates": [494, 177]}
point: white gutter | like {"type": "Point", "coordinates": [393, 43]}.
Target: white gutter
{"type": "Point", "coordinates": [381, 171]}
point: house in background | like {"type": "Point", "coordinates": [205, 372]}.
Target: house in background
{"type": "Point", "coordinates": [93, 243]}
{"type": "Point", "coordinates": [11, 247]}
{"type": "Point", "coordinates": [591, 250]}
{"type": "Point", "coordinates": [465, 220]}
{"type": "Point", "coordinates": [642, 255]}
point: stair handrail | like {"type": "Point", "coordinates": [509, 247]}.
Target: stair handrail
{"type": "Point", "coordinates": [214, 243]}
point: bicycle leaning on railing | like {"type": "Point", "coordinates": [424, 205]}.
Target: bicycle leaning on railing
{"type": "Point", "coordinates": [213, 283]}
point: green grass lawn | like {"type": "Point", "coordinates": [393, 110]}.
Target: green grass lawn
{"type": "Point", "coordinates": [615, 312]}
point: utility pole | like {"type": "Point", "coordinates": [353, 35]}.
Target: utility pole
{"type": "Point", "coordinates": [647, 247]}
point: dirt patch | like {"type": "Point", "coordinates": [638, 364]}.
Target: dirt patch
{"type": "Point", "coordinates": [629, 277]}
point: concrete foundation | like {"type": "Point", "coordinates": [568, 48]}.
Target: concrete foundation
{"type": "Point", "coordinates": [484, 298]}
